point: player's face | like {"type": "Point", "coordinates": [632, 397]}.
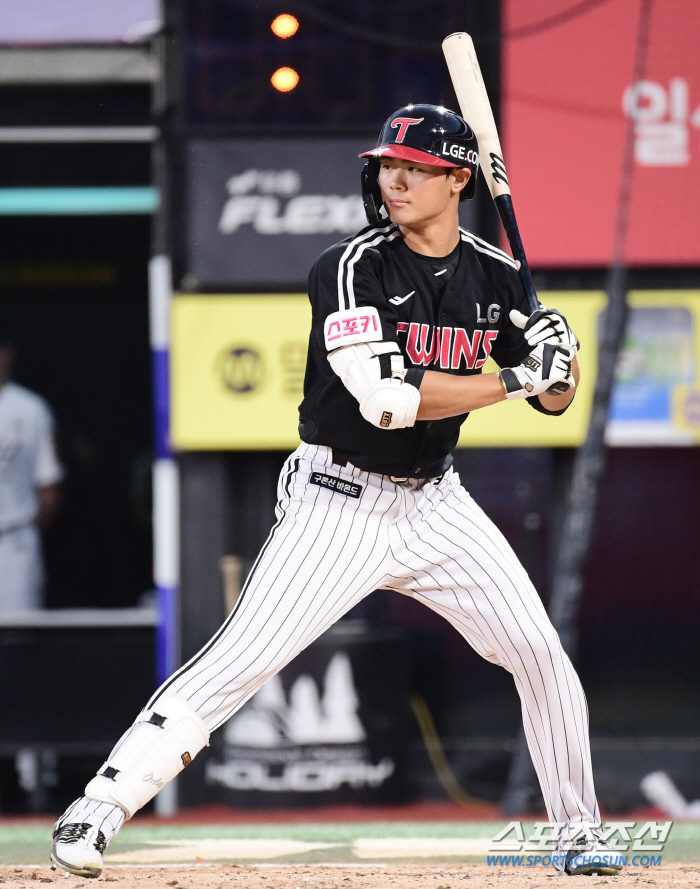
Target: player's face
{"type": "Point", "coordinates": [415, 193]}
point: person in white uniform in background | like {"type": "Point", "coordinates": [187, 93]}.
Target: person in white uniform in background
{"type": "Point", "coordinates": [29, 485]}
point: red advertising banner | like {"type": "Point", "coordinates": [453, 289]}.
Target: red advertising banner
{"type": "Point", "coordinates": [567, 96]}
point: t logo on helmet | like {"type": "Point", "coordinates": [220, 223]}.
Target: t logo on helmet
{"type": "Point", "coordinates": [403, 123]}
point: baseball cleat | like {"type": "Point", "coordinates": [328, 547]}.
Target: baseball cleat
{"type": "Point", "coordinates": [588, 856]}
{"type": "Point", "coordinates": [78, 849]}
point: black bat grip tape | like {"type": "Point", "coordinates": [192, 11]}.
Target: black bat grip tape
{"type": "Point", "coordinates": [504, 205]}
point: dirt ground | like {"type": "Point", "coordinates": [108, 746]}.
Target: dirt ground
{"type": "Point", "coordinates": [393, 876]}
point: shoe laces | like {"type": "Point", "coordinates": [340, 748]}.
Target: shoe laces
{"type": "Point", "coordinates": [580, 842]}
{"type": "Point", "coordinates": [576, 847]}
{"type": "Point", "coordinates": [73, 833]}
{"type": "Point", "coordinates": [597, 835]}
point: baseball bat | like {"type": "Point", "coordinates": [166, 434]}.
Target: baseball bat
{"type": "Point", "coordinates": [474, 103]}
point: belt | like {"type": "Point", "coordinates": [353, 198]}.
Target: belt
{"type": "Point", "coordinates": [340, 460]}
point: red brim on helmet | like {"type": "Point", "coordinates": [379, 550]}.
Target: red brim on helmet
{"type": "Point", "coordinates": [407, 154]}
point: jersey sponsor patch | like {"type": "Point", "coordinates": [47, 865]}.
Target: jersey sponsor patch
{"type": "Point", "coordinates": [350, 489]}
{"type": "Point", "coordinates": [350, 326]}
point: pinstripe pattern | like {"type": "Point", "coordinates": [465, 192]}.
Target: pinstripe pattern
{"type": "Point", "coordinates": [104, 816]}
{"type": "Point", "coordinates": [459, 564]}
{"type": "Point", "coordinates": [327, 551]}
{"type": "Point", "coordinates": [307, 577]}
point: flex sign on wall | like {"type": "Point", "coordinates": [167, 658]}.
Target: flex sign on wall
{"type": "Point", "coordinates": [261, 211]}
{"type": "Point", "coordinates": [568, 96]}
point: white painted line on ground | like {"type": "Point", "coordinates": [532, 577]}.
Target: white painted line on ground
{"type": "Point", "coordinates": [208, 849]}
{"type": "Point", "coordinates": [320, 864]}
{"type": "Point", "coordinates": [420, 847]}
{"type": "Point", "coordinates": [266, 864]}
{"type": "Point", "coordinates": [189, 850]}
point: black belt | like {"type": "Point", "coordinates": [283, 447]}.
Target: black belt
{"type": "Point", "coordinates": [338, 459]}
{"type": "Point", "coordinates": [342, 461]}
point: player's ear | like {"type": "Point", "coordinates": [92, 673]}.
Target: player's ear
{"type": "Point", "coordinates": [459, 176]}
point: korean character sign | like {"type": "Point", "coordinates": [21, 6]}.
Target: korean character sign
{"type": "Point", "coordinates": [662, 121]}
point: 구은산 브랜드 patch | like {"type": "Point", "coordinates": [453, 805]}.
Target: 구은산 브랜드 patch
{"type": "Point", "coordinates": [350, 489]}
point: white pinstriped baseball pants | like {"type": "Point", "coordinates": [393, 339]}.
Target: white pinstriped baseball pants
{"type": "Point", "coordinates": [328, 550]}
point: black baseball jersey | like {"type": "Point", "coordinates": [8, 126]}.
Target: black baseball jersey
{"type": "Point", "coordinates": [446, 315]}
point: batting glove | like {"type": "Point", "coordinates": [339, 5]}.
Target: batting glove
{"type": "Point", "coordinates": [545, 326]}
{"type": "Point", "coordinates": [546, 369]}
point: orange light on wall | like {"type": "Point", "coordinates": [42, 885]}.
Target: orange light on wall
{"type": "Point", "coordinates": [285, 26]}
{"type": "Point", "coordinates": [285, 79]}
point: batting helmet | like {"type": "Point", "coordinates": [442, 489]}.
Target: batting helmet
{"type": "Point", "coordinates": [428, 134]}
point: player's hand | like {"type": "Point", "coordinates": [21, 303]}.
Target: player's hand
{"type": "Point", "coordinates": [545, 326]}
{"type": "Point", "coordinates": [546, 368]}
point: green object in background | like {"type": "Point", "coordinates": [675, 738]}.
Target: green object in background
{"type": "Point", "coordinates": [78, 201]}
{"type": "Point", "coordinates": [22, 845]}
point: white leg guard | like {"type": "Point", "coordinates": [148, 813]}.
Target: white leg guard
{"type": "Point", "coordinates": [161, 743]}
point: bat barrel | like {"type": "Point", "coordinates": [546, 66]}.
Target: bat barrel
{"type": "Point", "coordinates": [468, 82]}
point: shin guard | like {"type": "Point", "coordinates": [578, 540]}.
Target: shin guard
{"type": "Point", "coordinates": [161, 743]}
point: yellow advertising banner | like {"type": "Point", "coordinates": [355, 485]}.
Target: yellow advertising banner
{"type": "Point", "coordinates": [238, 371]}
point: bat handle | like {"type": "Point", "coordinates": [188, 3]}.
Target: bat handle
{"type": "Point", "coordinates": [504, 205]}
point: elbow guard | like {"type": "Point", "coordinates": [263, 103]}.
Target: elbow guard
{"type": "Point", "coordinates": [391, 404]}
{"type": "Point", "coordinates": [374, 374]}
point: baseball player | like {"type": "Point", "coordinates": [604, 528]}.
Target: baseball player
{"type": "Point", "coordinates": [404, 317]}
{"type": "Point", "coordinates": [29, 479]}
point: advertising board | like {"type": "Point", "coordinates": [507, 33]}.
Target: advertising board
{"type": "Point", "coordinates": [239, 361]}
{"type": "Point", "coordinates": [261, 211]}
{"type": "Point", "coordinates": [567, 97]}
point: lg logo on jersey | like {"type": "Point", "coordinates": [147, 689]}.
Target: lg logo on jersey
{"type": "Point", "coordinates": [493, 313]}
{"type": "Point", "coordinates": [448, 347]}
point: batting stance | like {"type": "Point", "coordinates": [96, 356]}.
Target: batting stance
{"type": "Point", "coordinates": [404, 317]}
